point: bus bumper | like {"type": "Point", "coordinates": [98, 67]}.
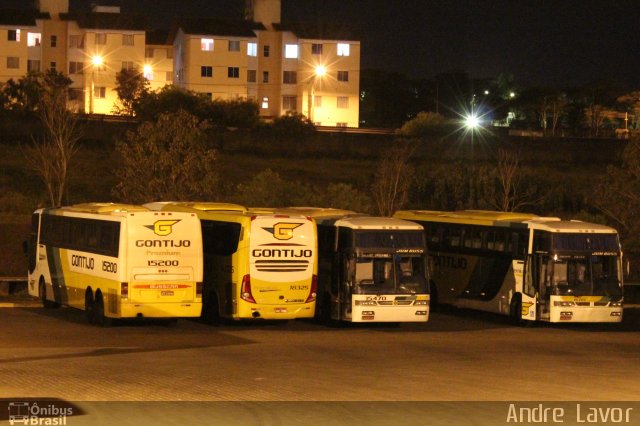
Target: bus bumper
{"type": "Point", "coordinates": [276, 312]}
{"type": "Point", "coordinates": [160, 310]}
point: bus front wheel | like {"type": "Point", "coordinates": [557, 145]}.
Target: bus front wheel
{"type": "Point", "coordinates": [43, 296]}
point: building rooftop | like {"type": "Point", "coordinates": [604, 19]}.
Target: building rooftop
{"type": "Point", "coordinates": [26, 18]}
{"type": "Point", "coordinates": [107, 21]}
{"type": "Point", "coordinates": [219, 27]}
{"type": "Point", "coordinates": [320, 31]}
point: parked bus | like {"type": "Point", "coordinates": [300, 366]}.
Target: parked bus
{"type": "Point", "coordinates": [522, 265]}
{"type": "Point", "coordinates": [372, 269]}
{"type": "Point", "coordinates": [256, 266]}
{"type": "Point", "coordinates": [116, 261]}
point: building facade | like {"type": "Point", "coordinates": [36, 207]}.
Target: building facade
{"type": "Point", "coordinates": [285, 68]}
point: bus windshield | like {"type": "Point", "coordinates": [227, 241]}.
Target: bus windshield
{"type": "Point", "coordinates": [583, 275]}
{"type": "Point", "coordinates": [389, 275]}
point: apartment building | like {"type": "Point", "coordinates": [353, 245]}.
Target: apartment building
{"type": "Point", "coordinates": [286, 68]}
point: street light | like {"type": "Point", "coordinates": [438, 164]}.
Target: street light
{"type": "Point", "coordinates": [319, 71]}
{"type": "Point", "coordinates": [97, 62]}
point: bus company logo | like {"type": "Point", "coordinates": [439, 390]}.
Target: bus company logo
{"type": "Point", "coordinates": [27, 413]}
{"type": "Point", "coordinates": [525, 308]}
{"type": "Point", "coordinates": [283, 230]}
{"type": "Point", "coordinates": [162, 227]}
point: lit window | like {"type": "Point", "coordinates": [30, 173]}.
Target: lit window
{"type": "Point", "coordinates": [343, 102]}
{"type": "Point", "coordinates": [127, 40]}
{"type": "Point", "coordinates": [206, 71]}
{"type": "Point", "coordinates": [233, 72]}
{"type": "Point", "coordinates": [343, 49]}
{"type": "Point", "coordinates": [289, 77]}
{"type": "Point", "coordinates": [33, 39]}
{"type": "Point", "coordinates": [265, 102]}
{"type": "Point", "coordinates": [316, 49]}
{"type": "Point", "coordinates": [101, 39]}
{"type": "Point", "coordinates": [234, 45]}
{"type": "Point", "coordinates": [206, 44]}
{"type": "Point", "coordinates": [343, 75]}
{"type": "Point", "coordinates": [252, 49]}
{"type": "Point", "coordinates": [291, 51]}
{"type": "Point", "coordinates": [13, 62]}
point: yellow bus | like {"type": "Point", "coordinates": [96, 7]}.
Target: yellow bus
{"type": "Point", "coordinates": [523, 265]}
{"type": "Point", "coordinates": [372, 269]}
{"type": "Point", "coordinates": [256, 265]}
{"type": "Point", "coordinates": [116, 261]}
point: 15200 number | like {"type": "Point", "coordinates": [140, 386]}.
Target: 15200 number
{"type": "Point", "coordinates": [163, 262]}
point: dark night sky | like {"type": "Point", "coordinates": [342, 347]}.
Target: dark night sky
{"type": "Point", "coordinates": [540, 42]}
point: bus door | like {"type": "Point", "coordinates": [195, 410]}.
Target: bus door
{"type": "Point", "coordinates": [531, 289]}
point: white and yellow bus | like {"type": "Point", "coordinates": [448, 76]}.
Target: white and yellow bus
{"type": "Point", "coordinates": [256, 265]}
{"type": "Point", "coordinates": [116, 261]}
{"type": "Point", "coordinates": [372, 269]}
{"type": "Point", "coordinates": [526, 266]}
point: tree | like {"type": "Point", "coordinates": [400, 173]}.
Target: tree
{"type": "Point", "coordinates": [392, 181]}
{"type": "Point", "coordinates": [51, 158]}
{"type": "Point", "coordinates": [424, 124]}
{"type": "Point", "coordinates": [131, 86]}
{"type": "Point", "coordinates": [167, 159]}
{"type": "Point", "coordinates": [617, 195]}
{"type": "Point", "coordinates": [24, 95]}
{"type": "Point", "coordinates": [511, 193]}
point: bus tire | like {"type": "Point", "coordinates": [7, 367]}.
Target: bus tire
{"type": "Point", "coordinates": [99, 318]}
{"type": "Point", "coordinates": [89, 306]}
{"type": "Point", "coordinates": [43, 296]}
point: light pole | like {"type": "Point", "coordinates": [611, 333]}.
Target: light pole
{"type": "Point", "coordinates": [319, 71]}
{"type": "Point", "coordinates": [96, 61]}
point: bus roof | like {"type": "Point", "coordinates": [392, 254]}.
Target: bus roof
{"type": "Point", "coordinates": [199, 206]}
{"type": "Point", "coordinates": [471, 217]}
{"type": "Point", "coordinates": [374, 222]}
{"type": "Point", "coordinates": [314, 212]}
{"type": "Point", "coordinates": [494, 218]}
{"type": "Point", "coordinates": [574, 226]}
{"type": "Point", "coordinates": [104, 208]}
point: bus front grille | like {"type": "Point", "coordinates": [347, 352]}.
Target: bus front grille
{"type": "Point", "coordinates": [282, 265]}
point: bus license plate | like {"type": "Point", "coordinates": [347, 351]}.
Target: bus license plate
{"type": "Point", "coordinates": [166, 293]}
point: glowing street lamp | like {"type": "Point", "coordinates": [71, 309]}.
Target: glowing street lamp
{"type": "Point", "coordinates": [97, 63]}
{"type": "Point", "coordinates": [318, 72]}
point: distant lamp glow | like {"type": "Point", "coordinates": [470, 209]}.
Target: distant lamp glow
{"type": "Point", "coordinates": [472, 121]}
{"type": "Point", "coordinates": [148, 72]}
{"type": "Point", "coordinates": [512, 95]}
{"type": "Point", "coordinates": [486, 92]}
{"type": "Point", "coordinates": [320, 70]}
